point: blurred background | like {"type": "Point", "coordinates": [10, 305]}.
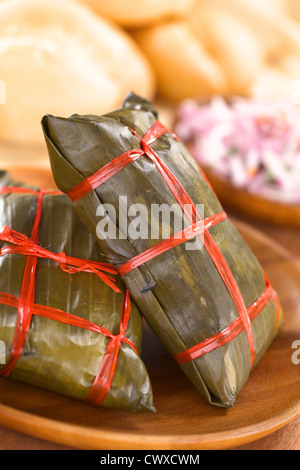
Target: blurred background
{"type": "Point", "coordinates": [225, 74]}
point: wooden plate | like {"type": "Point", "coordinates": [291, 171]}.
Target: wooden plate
{"type": "Point", "coordinates": [253, 206]}
{"type": "Point", "coordinates": [183, 421]}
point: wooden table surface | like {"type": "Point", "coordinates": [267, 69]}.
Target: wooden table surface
{"type": "Point", "coordinates": [287, 438]}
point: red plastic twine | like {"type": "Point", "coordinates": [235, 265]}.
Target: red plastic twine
{"type": "Point", "coordinates": [20, 244]}
{"type": "Point", "coordinates": [198, 228]}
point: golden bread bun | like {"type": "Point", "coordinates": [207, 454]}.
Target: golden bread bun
{"type": "Point", "coordinates": [182, 65]}
{"type": "Point", "coordinates": [60, 58]}
{"type": "Point", "coordinates": [292, 7]}
{"type": "Point", "coordinates": [272, 82]}
{"type": "Point", "coordinates": [282, 4]}
{"type": "Point", "coordinates": [278, 33]}
{"type": "Point", "coordinates": [234, 45]}
{"type": "Point", "coordinates": [137, 13]}
{"type": "Point", "coordinates": [225, 47]}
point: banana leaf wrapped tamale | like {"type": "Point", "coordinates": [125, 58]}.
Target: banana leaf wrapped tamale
{"type": "Point", "coordinates": [210, 303]}
{"type": "Point", "coordinates": [66, 318]}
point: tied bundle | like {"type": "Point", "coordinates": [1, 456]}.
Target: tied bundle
{"type": "Point", "coordinates": [213, 308]}
{"type": "Point", "coordinates": [66, 317]}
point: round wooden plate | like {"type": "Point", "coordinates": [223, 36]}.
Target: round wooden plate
{"type": "Point", "coordinates": [254, 206]}
{"type": "Point", "coordinates": [183, 421]}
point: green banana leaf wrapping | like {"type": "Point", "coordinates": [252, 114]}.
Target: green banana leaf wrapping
{"type": "Point", "coordinates": [181, 293]}
{"type": "Point", "coordinates": [57, 354]}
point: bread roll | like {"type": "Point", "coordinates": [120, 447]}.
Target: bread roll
{"type": "Point", "coordinates": [279, 77]}
{"type": "Point", "coordinates": [183, 67]}
{"type": "Point", "coordinates": [273, 81]}
{"type": "Point", "coordinates": [234, 45]}
{"type": "Point", "coordinates": [137, 13]}
{"type": "Point", "coordinates": [282, 4]}
{"type": "Point", "coordinates": [292, 7]}
{"type": "Point", "coordinates": [279, 33]}
{"type": "Point", "coordinates": [59, 58]}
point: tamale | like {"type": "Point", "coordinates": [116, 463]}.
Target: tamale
{"type": "Point", "coordinates": [210, 304]}
{"type": "Point", "coordinates": [66, 319]}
